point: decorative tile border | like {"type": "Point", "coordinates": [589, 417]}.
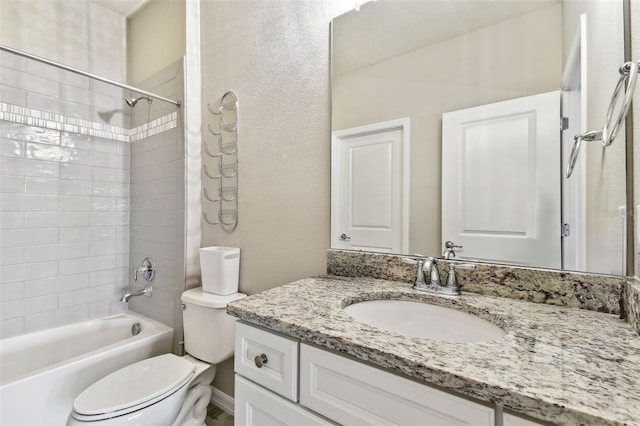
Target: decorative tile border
{"type": "Point", "coordinates": [154, 127]}
{"type": "Point", "coordinates": [602, 293]}
{"type": "Point", "coordinates": [53, 121]}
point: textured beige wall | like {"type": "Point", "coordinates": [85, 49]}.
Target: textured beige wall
{"type": "Point", "coordinates": [605, 167]}
{"type": "Point", "coordinates": [156, 37]}
{"type": "Point", "coordinates": [81, 34]}
{"type": "Point", "coordinates": [275, 56]}
{"type": "Point", "coordinates": [446, 76]}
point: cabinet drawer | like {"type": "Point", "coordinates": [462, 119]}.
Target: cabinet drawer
{"type": "Point", "coordinates": [256, 406]}
{"type": "Point", "coordinates": [279, 372]}
{"type": "Point", "coordinates": [350, 392]}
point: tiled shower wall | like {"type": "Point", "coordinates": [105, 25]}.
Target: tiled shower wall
{"type": "Point", "coordinates": [64, 202]}
{"type": "Point", "coordinates": [158, 200]}
{"type": "Point", "coordinates": [65, 235]}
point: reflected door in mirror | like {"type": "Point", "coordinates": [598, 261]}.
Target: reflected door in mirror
{"type": "Point", "coordinates": [501, 181]}
{"type": "Point", "coordinates": [369, 188]}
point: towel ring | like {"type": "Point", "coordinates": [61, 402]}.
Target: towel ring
{"type": "Point", "coordinates": [628, 79]}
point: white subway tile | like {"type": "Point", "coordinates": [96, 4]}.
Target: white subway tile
{"type": "Point", "coordinates": [36, 185]}
{"type": "Point", "coordinates": [55, 318]}
{"type": "Point", "coordinates": [122, 260]}
{"type": "Point", "coordinates": [104, 203]}
{"type": "Point", "coordinates": [11, 220]}
{"type": "Point", "coordinates": [29, 202]}
{"type": "Point", "coordinates": [22, 237]}
{"type": "Point", "coordinates": [108, 218]}
{"type": "Point", "coordinates": [11, 256]}
{"type": "Point", "coordinates": [29, 306]}
{"type": "Point", "coordinates": [11, 328]}
{"type": "Point", "coordinates": [123, 232]}
{"type": "Point", "coordinates": [156, 233]}
{"type": "Point", "coordinates": [59, 219]}
{"type": "Point", "coordinates": [104, 174]}
{"type": "Point", "coordinates": [74, 187]}
{"type": "Point", "coordinates": [75, 266]}
{"type": "Point", "coordinates": [10, 60]}
{"type": "Point", "coordinates": [12, 95]}
{"type": "Point", "coordinates": [96, 233]}
{"type": "Point", "coordinates": [26, 167]}
{"type": "Point", "coordinates": [166, 218]}
{"type": "Point", "coordinates": [82, 296]}
{"type": "Point", "coordinates": [115, 161]}
{"type": "Point", "coordinates": [109, 189]}
{"type": "Point", "coordinates": [56, 74]}
{"type": "Point", "coordinates": [108, 276]}
{"type": "Point", "coordinates": [97, 248]}
{"type": "Point", "coordinates": [72, 202]}
{"type": "Point", "coordinates": [106, 145]}
{"type": "Point", "coordinates": [55, 284]}
{"type": "Point", "coordinates": [11, 148]}
{"type": "Point", "coordinates": [106, 307]}
{"type": "Point", "coordinates": [76, 140]}
{"type": "Point", "coordinates": [56, 252]}
{"type": "Point", "coordinates": [56, 153]}
{"type": "Point", "coordinates": [151, 173]}
{"type": "Point", "coordinates": [11, 291]}
{"type": "Point", "coordinates": [30, 82]}
{"type": "Point", "coordinates": [75, 171]}
{"type": "Point", "coordinates": [28, 271]}
{"type": "Point", "coordinates": [101, 233]}
{"type": "Point", "coordinates": [12, 184]}
{"type": "Point", "coordinates": [123, 204]}
{"type": "Point", "coordinates": [25, 133]}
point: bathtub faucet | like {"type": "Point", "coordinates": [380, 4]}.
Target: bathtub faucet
{"type": "Point", "coordinates": [126, 295]}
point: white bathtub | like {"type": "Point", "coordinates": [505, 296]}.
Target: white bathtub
{"type": "Point", "coordinates": [42, 373]}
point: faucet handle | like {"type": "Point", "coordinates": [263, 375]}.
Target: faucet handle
{"type": "Point", "coordinates": [148, 269]}
{"type": "Point", "coordinates": [453, 288]}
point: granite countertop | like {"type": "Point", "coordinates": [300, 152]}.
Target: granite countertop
{"type": "Point", "coordinates": [562, 365]}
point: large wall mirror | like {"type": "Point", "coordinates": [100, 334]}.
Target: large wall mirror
{"type": "Point", "coordinates": [447, 126]}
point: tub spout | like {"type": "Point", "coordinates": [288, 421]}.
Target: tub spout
{"type": "Point", "coordinates": [126, 295]}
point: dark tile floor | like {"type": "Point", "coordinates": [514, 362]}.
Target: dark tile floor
{"type": "Point", "coordinates": [217, 417]}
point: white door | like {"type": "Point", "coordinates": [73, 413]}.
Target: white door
{"type": "Point", "coordinates": [501, 181]}
{"type": "Point", "coordinates": [369, 197]}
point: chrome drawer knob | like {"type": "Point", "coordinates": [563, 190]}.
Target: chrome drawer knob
{"type": "Point", "coordinates": [260, 360]}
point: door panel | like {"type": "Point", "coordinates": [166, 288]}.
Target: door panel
{"type": "Point", "coordinates": [369, 185]}
{"type": "Point", "coordinates": [501, 181]}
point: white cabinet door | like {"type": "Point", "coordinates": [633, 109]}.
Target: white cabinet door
{"type": "Point", "coordinates": [501, 181]}
{"type": "Point", "coordinates": [352, 393]}
{"type": "Point", "coordinates": [256, 406]}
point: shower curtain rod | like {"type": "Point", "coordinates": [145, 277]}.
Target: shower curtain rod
{"type": "Point", "coordinates": [88, 74]}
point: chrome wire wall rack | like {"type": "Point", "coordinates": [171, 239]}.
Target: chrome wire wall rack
{"type": "Point", "coordinates": [223, 163]}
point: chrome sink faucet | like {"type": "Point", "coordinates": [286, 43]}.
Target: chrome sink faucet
{"type": "Point", "coordinates": [430, 266]}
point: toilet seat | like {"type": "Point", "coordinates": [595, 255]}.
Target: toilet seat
{"type": "Point", "coordinates": [133, 387]}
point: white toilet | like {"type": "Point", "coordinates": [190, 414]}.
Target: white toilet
{"type": "Point", "coordinates": [166, 389]}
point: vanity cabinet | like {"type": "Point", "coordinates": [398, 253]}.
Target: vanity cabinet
{"type": "Point", "coordinates": [333, 388]}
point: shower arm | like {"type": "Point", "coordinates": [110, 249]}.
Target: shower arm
{"type": "Point", "coordinates": [88, 74]}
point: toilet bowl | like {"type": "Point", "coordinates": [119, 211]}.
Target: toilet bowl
{"type": "Point", "coordinates": [166, 389]}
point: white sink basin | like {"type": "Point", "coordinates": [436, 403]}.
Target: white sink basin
{"type": "Point", "coordinates": [424, 320]}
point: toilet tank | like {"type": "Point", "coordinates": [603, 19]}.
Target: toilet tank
{"type": "Point", "coordinates": [209, 332]}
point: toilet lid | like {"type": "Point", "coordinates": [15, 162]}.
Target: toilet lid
{"type": "Point", "coordinates": [135, 385]}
